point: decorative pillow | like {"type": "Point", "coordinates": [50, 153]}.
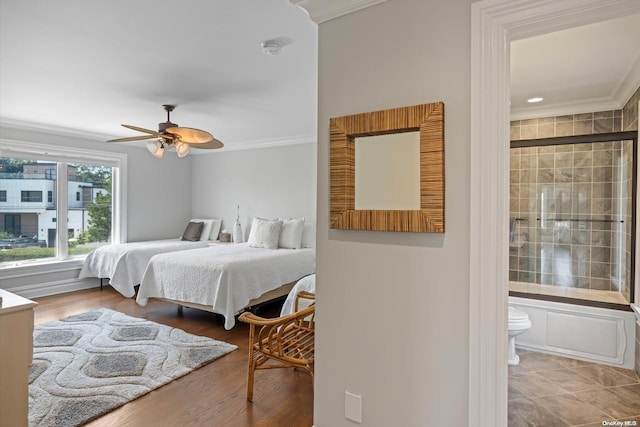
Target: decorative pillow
{"type": "Point", "coordinates": [291, 233]}
{"type": "Point", "coordinates": [206, 228]}
{"type": "Point", "coordinates": [215, 229]}
{"type": "Point", "coordinates": [309, 235]}
{"type": "Point", "coordinates": [211, 228]}
{"type": "Point", "coordinates": [265, 233]}
{"type": "Point", "coordinates": [193, 231]}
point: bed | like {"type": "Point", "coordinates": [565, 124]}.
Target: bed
{"type": "Point", "coordinates": [124, 264]}
{"type": "Point", "coordinates": [224, 279]}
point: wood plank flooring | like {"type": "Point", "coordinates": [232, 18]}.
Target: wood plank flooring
{"type": "Point", "coordinates": [213, 395]}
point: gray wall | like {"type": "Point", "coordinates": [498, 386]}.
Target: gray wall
{"type": "Point", "coordinates": [276, 182]}
{"type": "Point", "coordinates": [393, 308]}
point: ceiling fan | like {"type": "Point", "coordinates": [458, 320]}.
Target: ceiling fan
{"type": "Point", "coordinates": [170, 134]}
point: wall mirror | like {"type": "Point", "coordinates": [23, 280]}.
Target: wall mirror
{"type": "Point", "coordinates": [387, 170]}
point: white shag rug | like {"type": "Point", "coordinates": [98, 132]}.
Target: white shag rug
{"type": "Point", "coordinates": [89, 364]}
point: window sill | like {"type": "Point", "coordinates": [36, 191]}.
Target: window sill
{"type": "Point", "coordinates": [18, 269]}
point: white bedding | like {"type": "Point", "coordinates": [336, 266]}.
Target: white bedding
{"type": "Point", "coordinates": [308, 284]}
{"type": "Point", "coordinates": [124, 264]}
{"type": "Point", "coordinates": [224, 277]}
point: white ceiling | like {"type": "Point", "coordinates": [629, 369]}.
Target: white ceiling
{"type": "Point", "coordinates": [90, 66]}
{"type": "Point", "coordinates": [584, 69]}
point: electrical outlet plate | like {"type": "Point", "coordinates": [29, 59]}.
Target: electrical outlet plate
{"type": "Point", "coordinates": [353, 407]}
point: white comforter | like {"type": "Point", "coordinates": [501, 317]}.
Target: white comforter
{"type": "Point", "coordinates": [125, 263]}
{"type": "Point", "coordinates": [308, 284]}
{"type": "Point", "coordinates": [223, 277]}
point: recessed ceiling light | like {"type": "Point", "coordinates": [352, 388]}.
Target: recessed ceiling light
{"type": "Point", "coordinates": [534, 100]}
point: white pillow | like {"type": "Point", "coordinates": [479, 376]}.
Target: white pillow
{"type": "Point", "coordinates": [309, 235]}
{"type": "Point", "coordinates": [265, 233]}
{"type": "Point", "coordinates": [206, 228]}
{"type": "Point", "coordinates": [291, 233]}
{"type": "Point", "coordinates": [215, 229]}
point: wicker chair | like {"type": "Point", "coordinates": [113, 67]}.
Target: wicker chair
{"type": "Point", "coordinates": [285, 342]}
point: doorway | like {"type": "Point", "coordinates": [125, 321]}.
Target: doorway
{"type": "Point", "coordinates": [493, 26]}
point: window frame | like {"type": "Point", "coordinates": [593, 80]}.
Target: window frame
{"type": "Point", "coordinates": [64, 155]}
{"type": "Point", "coordinates": [26, 196]}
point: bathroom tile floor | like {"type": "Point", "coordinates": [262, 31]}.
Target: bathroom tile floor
{"type": "Point", "coordinates": [553, 391]}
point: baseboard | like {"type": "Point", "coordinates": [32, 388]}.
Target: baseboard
{"type": "Point", "coordinates": [53, 288]}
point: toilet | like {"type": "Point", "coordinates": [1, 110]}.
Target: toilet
{"type": "Point", "coordinates": [518, 323]}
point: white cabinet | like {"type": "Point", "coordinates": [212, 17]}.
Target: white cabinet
{"type": "Point", "coordinates": [16, 355]}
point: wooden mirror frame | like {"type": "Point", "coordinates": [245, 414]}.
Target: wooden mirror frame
{"type": "Point", "coordinates": [426, 118]}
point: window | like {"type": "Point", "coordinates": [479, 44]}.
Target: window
{"type": "Point", "coordinates": [3, 195]}
{"type": "Point", "coordinates": [12, 224]}
{"type": "Point", "coordinates": [69, 224]}
{"type": "Point", "coordinates": [30, 196]}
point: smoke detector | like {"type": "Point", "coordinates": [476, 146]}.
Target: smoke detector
{"type": "Point", "coordinates": [271, 47]}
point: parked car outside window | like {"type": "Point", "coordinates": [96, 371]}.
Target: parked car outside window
{"type": "Point", "coordinates": [22, 242]}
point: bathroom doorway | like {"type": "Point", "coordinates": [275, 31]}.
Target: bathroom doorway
{"type": "Point", "coordinates": [493, 26]}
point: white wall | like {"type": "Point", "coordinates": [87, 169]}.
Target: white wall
{"type": "Point", "coordinates": [393, 308]}
{"type": "Point", "coordinates": [276, 182]}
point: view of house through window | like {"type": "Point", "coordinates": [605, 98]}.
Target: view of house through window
{"type": "Point", "coordinates": [31, 219]}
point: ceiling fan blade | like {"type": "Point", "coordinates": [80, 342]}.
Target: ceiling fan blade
{"type": "Point", "coordinates": [211, 145]}
{"type": "Point", "coordinates": [139, 129]}
{"type": "Point", "coordinates": [133, 138]}
{"type": "Point", "coordinates": [190, 135]}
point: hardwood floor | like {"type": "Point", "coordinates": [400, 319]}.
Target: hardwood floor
{"type": "Point", "coordinates": [213, 395]}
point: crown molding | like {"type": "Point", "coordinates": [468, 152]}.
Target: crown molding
{"type": "Point", "coordinates": [630, 82]}
{"type": "Point", "coordinates": [324, 10]}
{"type": "Point", "coordinates": [262, 143]}
{"type": "Point", "coordinates": [44, 128]}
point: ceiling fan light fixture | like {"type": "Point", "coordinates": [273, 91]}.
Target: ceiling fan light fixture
{"type": "Point", "coordinates": [156, 148]}
{"type": "Point", "coordinates": [170, 136]}
{"type": "Point", "coordinates": [182, 149]}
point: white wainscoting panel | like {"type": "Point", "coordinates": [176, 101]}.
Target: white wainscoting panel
{"type": "Point", "coordinates": [565, 331]}
{"type": "Point", "coordinates": [587, 333]}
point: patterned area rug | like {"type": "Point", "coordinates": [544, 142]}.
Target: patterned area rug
{"type": "Point", "coordinates": [89, 364]}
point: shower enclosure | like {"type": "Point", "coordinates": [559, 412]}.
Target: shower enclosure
{"type": "Point", "coordinates": [572, 218]}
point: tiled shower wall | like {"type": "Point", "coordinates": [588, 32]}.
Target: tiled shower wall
{"type": "Point", "coordinates": [569, 125]}
{"type": "Point", "coordinates": [567, 226]}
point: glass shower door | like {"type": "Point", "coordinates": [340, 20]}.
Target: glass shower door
{"type": "Point", "coordinates": [571, 220]}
